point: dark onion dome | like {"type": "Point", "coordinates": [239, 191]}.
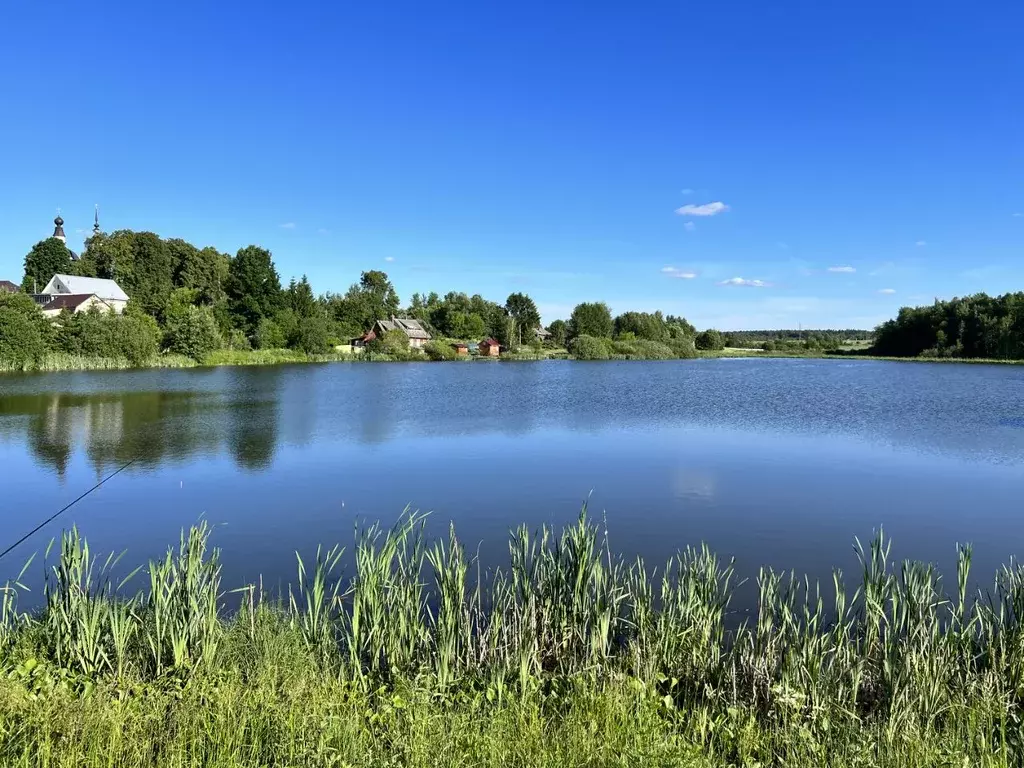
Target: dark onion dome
{"type": "Point", "coordinates": [58, 228]}
{"type": "Point", "coordinates": [74, 256]}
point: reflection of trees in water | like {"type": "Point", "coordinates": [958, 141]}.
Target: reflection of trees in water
{"type": "Point", "coordinates": [147, 427]}
{"type": "Point", "coordinates": [254, 405]}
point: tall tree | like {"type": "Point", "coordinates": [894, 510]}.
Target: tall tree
{"type": "Point", "coordinates": [591, 319]}
{"type": "Point", "coordinates": [559, 331]}
{"type": "Point", "coordinates": [643, 325]}
{"type": "Point", "coordinates": [521, 308]}
{"type": "Point", "coordinates": [379, 294]}
{"type": "Point", "coordinates": [47, 258]}
{"type": "Point", "coordinates": [253, 287]}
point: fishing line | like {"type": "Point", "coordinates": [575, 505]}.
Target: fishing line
{"type": "Point", "coordinates": [60, 512]}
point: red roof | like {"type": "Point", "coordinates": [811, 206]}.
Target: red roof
{"type": "Point", "coordinates": [8, 287]}
{"type": "Point", "coordinates": [68, 301]}
{"type": "Point", "coordinates": [490, 343]}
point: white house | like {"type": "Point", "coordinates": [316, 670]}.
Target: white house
{"type": "Point", "coordinates": [107, 291]}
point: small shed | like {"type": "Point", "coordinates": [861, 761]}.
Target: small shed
{"type": "Point", "coordinates": [460, 348]}
{"type": "Point", "coordinates": [490, 348]}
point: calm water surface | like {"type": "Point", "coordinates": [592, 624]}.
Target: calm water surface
{"type": "Point", "coordinates": [776, 462]}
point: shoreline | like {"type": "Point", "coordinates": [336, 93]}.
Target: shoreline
{"type": "Point", "coordinates": [568, 647]}
{"type": "Point", "coordinates": [232, 358]}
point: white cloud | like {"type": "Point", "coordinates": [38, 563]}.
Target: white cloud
{"type": "Point", "coordinates": [887, 291]}
{"type": "Point", "coordinates": [678, 273]}
{"type": "Point", "coordinates": [707, 209]}
{"type": "Point", "coordinates": [389, 258]}
{"type": "Point", "coordinates": [689, 226]}
{"type": "Point", "coordinates": [921, 243]}
{"type": "Point", "coordinates": [1018, 215]}
{"type": "Point", "coordinates": [288, 225]}
{"type": "Point", "coordinates": [841, 269]}
{"type": "Point", "coordinates": [745, 282]}
{"type": "Point", "coordinates": [686, 191]}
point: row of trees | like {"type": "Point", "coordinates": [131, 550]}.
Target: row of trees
{"type": "Point", "coordinates": [969, 327]}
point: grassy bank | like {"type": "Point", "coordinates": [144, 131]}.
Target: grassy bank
{"type": "Point", "coordinates": [566, 656]}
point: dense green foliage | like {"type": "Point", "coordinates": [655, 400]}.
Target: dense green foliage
{"type": "Point", "coordinates": [969, 327]}
{"type": "Point", "coordinates": [566, 656]}
{"type": "Point", "coordinates": [595, 348]}
{"type": "Point", "coordinates": [133, 336]}
{"type": "Point", "coordinates": [756, 338]}
{"type": "Point", "coordinates": [559, 330]}
{"type": "Point", "coordinates": [47, 258]}
{"type": "Point", "coordinates": [440, 350]}
{"type": "Point", "coordinates": [191, 331]}
{"type": "Point", "coordinates": [591, 319]}
{"type": "Point", "coordinates": [24, 332]}
{"type": "Point", "coordinates": [709, 340]}
{"type": "Point", "coordinates": [524, 314]}
{"type": "Point", "coordinates": [253, 287]}
{"type": "Point", "coordinates": [643, 325]}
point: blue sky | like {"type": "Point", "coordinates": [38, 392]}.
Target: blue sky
{"type": "Point", "coordinates": [841, 159]}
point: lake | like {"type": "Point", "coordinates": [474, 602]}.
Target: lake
{"type": "Point", "coordinates": [777, 462]}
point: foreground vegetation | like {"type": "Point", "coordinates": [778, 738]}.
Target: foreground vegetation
{"type": "Point", "coordinates": [567, 655]}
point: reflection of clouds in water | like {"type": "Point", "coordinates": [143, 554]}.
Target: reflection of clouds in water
{"type": "Point", "coordinates": [694, 484]}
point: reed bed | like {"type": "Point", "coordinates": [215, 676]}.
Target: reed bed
{"type": "Point", "coordinates": [566, 655]}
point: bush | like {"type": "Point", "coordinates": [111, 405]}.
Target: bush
{"type": "Point", "coordinates": [132, 336]}
{"type": "Point", "coordinates": [682, 348]}
{"type": "Point", "coordinates": [439, 350]}
{"type": "Point", "coordinates": [709, 340]}
{"type": "Point", "coordinates": [589, 348]}
{"type": "Point", "coordinates": [312, 335]}
{"type": "Point", "coordinates": [24, 331]}
{"type": "Point", "coordinates": [393, 343]}
{"type": "Point", "coordinates": [269, 335]}
{"type": "Point", "coordinates": [193, 332]}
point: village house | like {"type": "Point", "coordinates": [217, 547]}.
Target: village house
{"type": "Point", "coordinates": [6, 286]}
{"type": "Point", "coordinates": [74, 302]}
{"type": "Point", "coordinates": [490, 348]}
{"type": "Point", "coordinates": [460, 348]}
{"type": "Point", "coordinates": [542, 334]}
{"type": "Point", "coordinates": [413, 330]}
{"type": "Point", "coordinates": [107, 293]}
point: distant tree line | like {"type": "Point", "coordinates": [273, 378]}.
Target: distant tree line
{"type": "Point", "coordinates": [969, 327]}
{"type": "Point", "coordinates": [741, 338]}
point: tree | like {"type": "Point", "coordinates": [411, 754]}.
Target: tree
{"type": "Point", "coordinates": [379, 295]}
{"type": "Point", "coordinates": [269, 335]}
{"type": "Point", "coordinates": [709, 340]}
{"type": "Point", "coordinates": [521, 308]}
{"type": "Point", "coordinates": [312, 335]}
{"type": "Point", "coordinates": [253, 287]}
{"type": "Point", "coordinates": [204, 271]}
{"type": "Point", "coordinates": [24, 331]}
{"type": "Point", "coordinates": [643, 325]}
{"type": "Point", "coordinates": [300, 299]}
{"type": "Point", "coordinates": [394, 343]}
{"type": "Point", "coordinates": [47, 258]}
{"type": "Point", "coordinates": [559, 331]}
{"type": "Point", "coordinates": [192, 331]}
{"type": "Point", "coordinates": [593, 319]}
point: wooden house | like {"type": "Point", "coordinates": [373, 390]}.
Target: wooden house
{"type": "Point", "coordinates": [460, 348]}
{"type": "Point", "coordinates": [490, 348]}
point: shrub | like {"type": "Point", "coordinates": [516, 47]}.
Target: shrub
{"type": "Point", "coordinates": [439, 350]}
{"type": "Point", "coordinates": [24, 331]}
{"type": "Point", "coordinates": [193, 332]}
{"type": "Point", "coordinates": [133, 336]}
{"type": "Point", "coordinates": [269, 335]}
{"type": "Point", "coordinates": [393, 343]}
{"type": "Point", "coordinates": [682, 348]}
{"type": "Point", "coordinates": [312, 335]}
{"type": "Point", "coordinates": [709, 340]}
{"type": "Point", "coordinates": [588, 348]}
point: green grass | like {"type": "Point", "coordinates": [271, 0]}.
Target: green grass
{"type": "Point", "coordinates": [62, 361]}
{"type": "Point", "coordinates": [566, 656]}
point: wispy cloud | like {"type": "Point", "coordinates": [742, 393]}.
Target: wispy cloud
{"type": "Point", "coordinates": [1018, 215]}
{"type": "Point", "coordinates": [887, 291]}
{"type": "Point", "coordinates": [689, 226]}
{"type": "Point", "coordinates": [921, 243]}
{"type": "Point", "coordinates": [288, 225]}
{"type": "Point", "coordinates": [678, 273]}
{"type": "Point", "coordinates": [389, 258]}
{"type": "Point", "coordinates": [686, 191]}
{"type": "Point", "coordinates": [707, 209]}
{"type": "Point", "coordinates": [323, 231]}
{"type": "Point", "coordinates": [842, 269]}
{"type": "Point", "coordinates": [745, 282]}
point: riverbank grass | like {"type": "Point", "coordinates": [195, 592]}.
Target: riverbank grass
{"type": "Point", "coordinates": [567, 655]}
